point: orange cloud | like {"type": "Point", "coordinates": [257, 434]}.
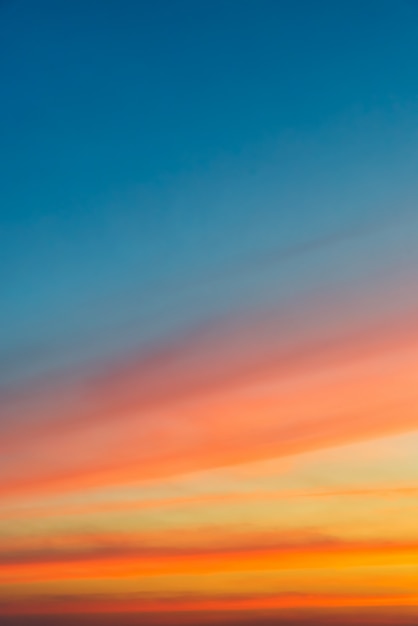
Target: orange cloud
{"type": "Point", "coordinates": [194, 406]}
{"type": "Point", "coordinates": [115, 557]}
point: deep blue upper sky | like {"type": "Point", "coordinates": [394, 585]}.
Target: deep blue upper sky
{"type": "Point", "coordinates": [147, 145]}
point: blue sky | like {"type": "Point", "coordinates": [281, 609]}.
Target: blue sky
{"type": "Point", "coordinates": [149, 148]}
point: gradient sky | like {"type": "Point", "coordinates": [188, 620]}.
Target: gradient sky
{"type": "Point", "coordinates": [209, 304]}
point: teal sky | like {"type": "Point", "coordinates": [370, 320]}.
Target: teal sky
{"type": "Point", "coordinates": [168, 164]}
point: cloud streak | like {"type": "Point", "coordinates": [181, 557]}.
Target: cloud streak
{"type": "Point", "coordinates": [217, 398]}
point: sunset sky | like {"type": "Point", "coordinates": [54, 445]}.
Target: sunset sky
{"type": "Point", "coordinates": [209, 312]}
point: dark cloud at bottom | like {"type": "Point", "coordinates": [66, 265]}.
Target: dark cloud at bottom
{"type": "Point", "coordinates": [382, 616]}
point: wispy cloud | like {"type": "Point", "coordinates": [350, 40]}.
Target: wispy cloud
{"type": "Point", "coordinates": [219, 396]}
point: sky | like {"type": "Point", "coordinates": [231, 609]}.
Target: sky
{"type": "Point", "coordinates": [208, 320]}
